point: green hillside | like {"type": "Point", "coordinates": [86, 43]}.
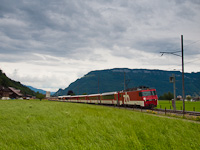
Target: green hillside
{"type": "Point", "coordinates": [113, 80]}
{"type": "Point", "coordinates": [7, 82]}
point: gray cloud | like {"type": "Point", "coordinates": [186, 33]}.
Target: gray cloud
{"type": "Point", "coordinates": [64, 27]}
{"type": "Point", "coordinates": [80, 30]}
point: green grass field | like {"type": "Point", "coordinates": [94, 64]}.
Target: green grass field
{"type": "Point", "coordinates": [189, 106]}
{"type": "Point", "coordinates": [50, 125]}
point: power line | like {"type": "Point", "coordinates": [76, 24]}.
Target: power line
{"type": "Point", "coordinates": [175, 51]}
{"type": "Point", "coordinates": [192, 43]}
{"type": "Point", "coordinates": [198, 59]}
{"type": "Point", "coordinates": [192, 61]}
{"type": "Point", "coordinates": [178, 65]}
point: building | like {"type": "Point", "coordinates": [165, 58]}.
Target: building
{"type": "Point", "coordinates": [4, 92]}
{"type": "Point", "coordinates": [14, 93]}
{"type": "Point", "coordinates": [9, 92]}
{"type": "Point", "coordinates": [48, 94]}
{"type": "Point", "coordinates": [179, 97]}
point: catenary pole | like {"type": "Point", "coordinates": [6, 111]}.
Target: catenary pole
{"type": "Point", "coordinates": [124, 80]}
{"type": "Point", "coordinates": [174, 53]}
{"type": "Point", "coordinates": [174, 84]}
{"type": "Point", "coordinates": [98, 83]}
{"type": "Point", "coordinates": [183, 90]}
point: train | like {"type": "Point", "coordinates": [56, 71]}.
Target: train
{"type": "Point", "coordinates": [143, 97]}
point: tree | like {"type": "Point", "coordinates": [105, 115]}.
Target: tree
{"type": "Point", "coordinates": [40, 96]}
{"type": "Point", "coordinates": [70, 92]}
{"type": "Point", "coordinates": [166, 96]}
{"type": "Point", "coordinates": [188, 97]}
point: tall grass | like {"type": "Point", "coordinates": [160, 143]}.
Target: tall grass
{"type": "Point", "coordinates": [58, 125]}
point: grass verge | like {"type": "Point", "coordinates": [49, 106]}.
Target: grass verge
{"type": "Point", "coordinates": [189, 106]}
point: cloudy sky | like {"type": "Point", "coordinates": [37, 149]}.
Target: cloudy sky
{"type": "Point", "coordinates": [50, 43]}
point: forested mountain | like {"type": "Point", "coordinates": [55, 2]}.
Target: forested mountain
{"type": "Point", "coordinates": [7, 82]}
{"type": "Point", "coordinates": [113, 80]}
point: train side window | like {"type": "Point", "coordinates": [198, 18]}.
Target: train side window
{"type": "Point", "coordinates": [140, 94]}
{"type": "Point", "coordinates": [108, 96]}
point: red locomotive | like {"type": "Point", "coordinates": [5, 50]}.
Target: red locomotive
{"type": "Point", "coordinates": [140, 97]}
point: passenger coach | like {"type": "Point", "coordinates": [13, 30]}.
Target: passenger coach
{"type": "Point", "coordinates": [140, 97]}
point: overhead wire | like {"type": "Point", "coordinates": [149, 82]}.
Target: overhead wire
{"type": "Point", "coordinates": [192, 43]}
{"type": "Point", "coordinates": [175, 51]}
{"type": "Point", "coordinates": [193, 61]}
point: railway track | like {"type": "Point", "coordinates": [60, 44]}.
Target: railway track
{"type": "Point", "coordinates": [165, 111]}
{"type": "Point", "coordinates": [192, 113]}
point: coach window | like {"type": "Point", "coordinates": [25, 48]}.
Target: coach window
{"type": "Point", "coordinates": [140, 94]}
{"type": "Point", "coordinates": [108, 96]}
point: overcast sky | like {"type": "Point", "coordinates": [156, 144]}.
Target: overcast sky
{"type": "Point", "coordinates": [50, 43]}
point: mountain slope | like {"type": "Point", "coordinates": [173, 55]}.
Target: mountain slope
{"type": "Point", "coordinates": [113, 80]}
{"type": "Point", "coordinates": [7, 82]}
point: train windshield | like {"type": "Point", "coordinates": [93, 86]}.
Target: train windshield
{"type": "Point", "coordinates": [147, 93]}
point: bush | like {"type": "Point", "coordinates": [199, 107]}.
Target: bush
{"type": "Point", "coordinates": [166, 96]}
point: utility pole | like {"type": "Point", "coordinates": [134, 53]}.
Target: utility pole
{"type": "Point", "coordinates": [183, 89]}
{"type": "Point", "coordinates": [124, 80]}
{"type": "Point", "coordinates": [173, 80]}
{"type": "Point", "coordinates": [174, 92]}
{"type": "Point", "coordinates": [98, 83]}
{"type": "Point", "coordinates": [174, 53]}
{"type": "Point", "coordinates": [78, 89]}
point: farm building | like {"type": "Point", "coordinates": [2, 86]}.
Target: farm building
{"type": "Point", "coordinates": [15, 93]}
{"type": "Point", "coordinates": [9, 92]}
{"type": "Point", "coordinates": [4, 92]}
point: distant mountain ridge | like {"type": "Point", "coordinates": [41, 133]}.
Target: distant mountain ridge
{"type": "Point", "coordinates": [113, 80]}
{"type": "Point", "coordinates": [38, 90]}
{"type": "Point", "coordinates": [7, 82]}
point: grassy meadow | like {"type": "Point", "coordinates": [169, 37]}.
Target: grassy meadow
{"type": "Point", "coordinates": [50, 125]}
{"type": "Point", "coordinates": [189, 106]}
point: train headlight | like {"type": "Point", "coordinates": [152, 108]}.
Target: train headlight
{"type": "Point", "coordinates": [144, 98]}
